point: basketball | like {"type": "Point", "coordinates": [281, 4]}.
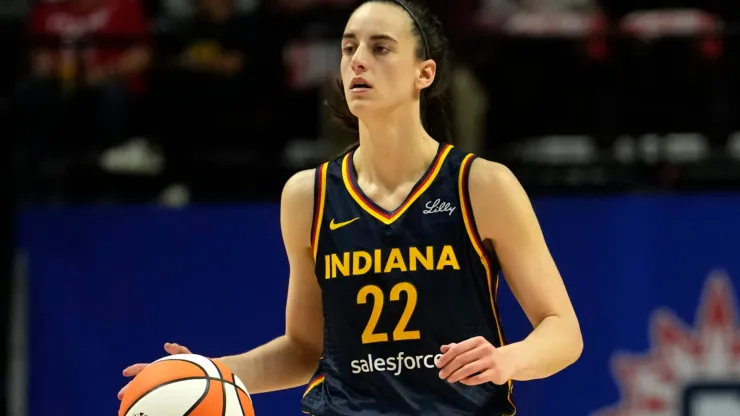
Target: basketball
{"type": "Point", "coordinates": [186, 384]}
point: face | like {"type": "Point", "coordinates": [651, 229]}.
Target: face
{"type": "Point", "coordinates": [379, 50]}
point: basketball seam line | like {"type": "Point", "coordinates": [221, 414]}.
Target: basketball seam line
{"type": "Point", "coordinates": [205, 393]}
{"type": "Point", "coordinates": [236, 390]}
{"type": "Point", "coordinates": [223, 389]}
{"type": "Point", "coordinates": [200, 400]}
{"type": "Point", "coordinates": [205, 376]}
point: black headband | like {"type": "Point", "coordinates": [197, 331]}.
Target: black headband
{"type": "Point", "coordinates": [418, 26]}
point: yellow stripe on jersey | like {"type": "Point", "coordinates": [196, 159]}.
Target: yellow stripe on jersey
{"type": "Point", "coordinates": [381, 216]}
{"type": "Point", "coordinates": [467, 212]}
{"type": "Point", "coordinates": [320, 202]}
{"type": "Point", "coordinates": [315, 382]}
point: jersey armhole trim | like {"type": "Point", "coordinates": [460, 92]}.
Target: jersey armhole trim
{"type": "Point", "coordinates": [319, 201]}
{"type": "Point", "coordinates": [474, 236]}
{"type": "Point", "coordinates": [475, 240]}
{"type": "Point", "coordinates": [320, 378]}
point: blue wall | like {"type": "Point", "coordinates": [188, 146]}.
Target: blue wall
{"type": "Point", "coordinates": [110, 285]}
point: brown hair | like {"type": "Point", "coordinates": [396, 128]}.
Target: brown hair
{"type": "Point", "coordinates": [431, 44]}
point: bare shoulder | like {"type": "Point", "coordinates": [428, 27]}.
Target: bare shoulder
{"type": "Point", "coordinates": [296, 206]}
{"type": "Point", "coordinates": [492, 179]}
{"type": "Point", "coordinates": [498, 199]}
{"type": "Point", "coordinates": [299, 188]}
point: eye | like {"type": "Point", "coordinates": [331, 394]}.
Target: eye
{"type": "Point", "coordinates": [348, 49]}
{"type": "Point", "coordinates": [381, 49]}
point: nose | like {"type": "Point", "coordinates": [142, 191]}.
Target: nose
{"type": "Point", "coordinates": [359, 60]}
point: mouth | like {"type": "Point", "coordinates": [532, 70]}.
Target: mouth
{"type": "Point", "coordinates": [359, 85]}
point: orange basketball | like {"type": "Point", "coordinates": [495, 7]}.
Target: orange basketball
{"type": "Point", "coordinates": [186, 384]}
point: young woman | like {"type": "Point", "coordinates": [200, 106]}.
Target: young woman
{"type": "Point", "coordinates": [395, 249]}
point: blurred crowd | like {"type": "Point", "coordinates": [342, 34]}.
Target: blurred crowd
{"type": "Point", "coordinates": [165, 97]}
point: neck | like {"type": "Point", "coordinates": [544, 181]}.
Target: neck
{"type": "Point", "coordinates": [393, 152]}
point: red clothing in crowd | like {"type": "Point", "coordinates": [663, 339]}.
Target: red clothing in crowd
{"type": "Point", "coordinates": [111, 26]}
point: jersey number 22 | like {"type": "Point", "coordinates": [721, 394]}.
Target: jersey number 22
{"type": "Point", "coordinates": [369, 335]}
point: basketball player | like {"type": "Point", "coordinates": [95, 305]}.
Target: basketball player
{"type": "Point", "coordinates": [395, 249]}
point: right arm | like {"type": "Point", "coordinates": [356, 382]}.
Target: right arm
{"type": "Point", "coordinates": [290, 360]}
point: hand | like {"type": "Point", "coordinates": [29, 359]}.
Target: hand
{"type": "Point", "coordinates": [132, 371]}
{"type": "Point", "coordinates": [473, 362]}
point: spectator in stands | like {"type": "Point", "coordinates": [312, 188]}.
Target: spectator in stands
{"type": "Point", "coordinates": [213, 44]}
{"type": "Point", "coordinates": [200, 84]}
{"type": "Point", "coordinates": [89, 52]}
{"type": "Point", "coordinates": [503, 9]}
{"type": "Point", "coordinates": [217, 80]}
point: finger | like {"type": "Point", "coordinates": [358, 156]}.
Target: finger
{"type": "Point", "coordinates": [174, 349]}
{"type": "Point", "coordinates": [447, 347]}
{"type": "Point", "coordinates": [460, 361]}
{"type": "Point", "coordinates": [478, 379]}
{"type": "Point", "coordinates": [133, 370]}
{"type": "Point", "coordinates": [467, 370]}
{"type": "Point", "coordinates": [456, 350]}
{"type": "Point", "coordinates": [122, 391]}
{"type": "Point", "coordinates": [181, 349]}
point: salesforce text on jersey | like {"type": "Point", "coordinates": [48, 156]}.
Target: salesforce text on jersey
{"type": "Point", "coordinates": [396, 364]}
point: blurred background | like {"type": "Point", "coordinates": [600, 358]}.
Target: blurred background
{"type": "Point", "coordinates": [146, 142]}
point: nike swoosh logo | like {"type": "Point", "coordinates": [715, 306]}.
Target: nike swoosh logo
{"type": "Point", "coordinates": [333, 226]}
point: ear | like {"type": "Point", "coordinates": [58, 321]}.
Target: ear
{"type": "Point", "coordinates": [425, 75]}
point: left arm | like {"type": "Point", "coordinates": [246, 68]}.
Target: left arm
{"type": "Point", "coordinates": [505, 216]}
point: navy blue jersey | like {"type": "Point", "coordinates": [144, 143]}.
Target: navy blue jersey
{"type": "Point", "coordinates": [396, 286]}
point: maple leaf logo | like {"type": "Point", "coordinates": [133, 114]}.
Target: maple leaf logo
{"type": "Point", "coordinates": [654, 384]}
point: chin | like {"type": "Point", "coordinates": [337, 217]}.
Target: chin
{"type": "Point", "coordinates": [361, 108]}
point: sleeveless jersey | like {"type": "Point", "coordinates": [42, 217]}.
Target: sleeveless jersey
{"type": "Point", "coordinates": [396, 286]}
